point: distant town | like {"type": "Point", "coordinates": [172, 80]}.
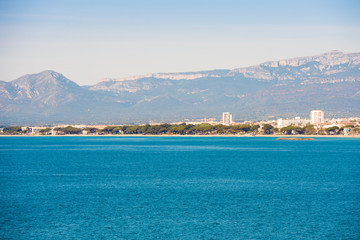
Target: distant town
{"type": "Point", "coordinates": [317, 124]}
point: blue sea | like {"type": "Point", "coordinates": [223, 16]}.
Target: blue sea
{"type": "Point", "coordinates": [179, 188]}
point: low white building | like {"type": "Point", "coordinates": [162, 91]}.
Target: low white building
{"type": "Point", "coordinates": [297, 121]}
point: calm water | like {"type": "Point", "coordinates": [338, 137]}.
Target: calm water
{"type": "Point", "coordinates": [179, 188]}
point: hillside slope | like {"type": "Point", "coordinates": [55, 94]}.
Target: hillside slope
{"type": "Point", "coordinates": [284, 88]}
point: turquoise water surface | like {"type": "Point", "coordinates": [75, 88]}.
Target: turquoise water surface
{"type": "Point", "coordinates": [179, 188]}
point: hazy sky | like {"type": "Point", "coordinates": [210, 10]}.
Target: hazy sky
{"type": "Point", "coordinates": [89, 40]}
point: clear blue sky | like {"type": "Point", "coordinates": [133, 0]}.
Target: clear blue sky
{"type": "Point", "coordinates": [89, 40]}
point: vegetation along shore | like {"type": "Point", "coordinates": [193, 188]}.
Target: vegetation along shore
{"type": "Point", "coordinates": [184, 129]}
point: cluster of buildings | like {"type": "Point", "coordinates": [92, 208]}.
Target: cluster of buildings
{"type": "Point", "coordinates": [227, 119]}
{"type": "Point", "coordinates": [316, 119]}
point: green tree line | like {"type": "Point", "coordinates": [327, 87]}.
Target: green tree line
{"type": "Point", "coordinates": [190, 129]}
{"type": "Point", "coordinates": [180, 129]}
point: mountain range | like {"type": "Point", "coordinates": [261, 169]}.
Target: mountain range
{"type": "Point", "coordinates": [284, 88]}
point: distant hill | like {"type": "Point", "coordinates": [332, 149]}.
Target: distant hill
{"type": "Point", "coordinates": [285, 88]}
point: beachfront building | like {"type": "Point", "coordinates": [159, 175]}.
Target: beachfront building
{"type": "Point", "coordinates": [227, 118]}
{"type": "Point", "coordinates": [297, 121]}
{"type": "Point", "coordinates": [316, 117]}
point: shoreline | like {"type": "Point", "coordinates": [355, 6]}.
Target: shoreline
{"type": "Point", "coordinates": [140, 135]}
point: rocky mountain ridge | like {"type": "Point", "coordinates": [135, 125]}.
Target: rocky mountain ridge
{"type": "Point", "coordinates": [331, 67]}
{"type": "Point", "coordinates": [290, 87]}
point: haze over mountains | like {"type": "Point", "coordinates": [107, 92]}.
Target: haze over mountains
{"type": "Point", "coordinates": [285, 88]}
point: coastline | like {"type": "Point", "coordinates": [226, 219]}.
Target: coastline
{"type": "Point", "coordinates": [140, 135]}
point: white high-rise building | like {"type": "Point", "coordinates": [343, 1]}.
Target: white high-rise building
{"type": "Point", "coordinates": [226, 118]}
{"type": "Point", "coordinates": [316, 117]}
